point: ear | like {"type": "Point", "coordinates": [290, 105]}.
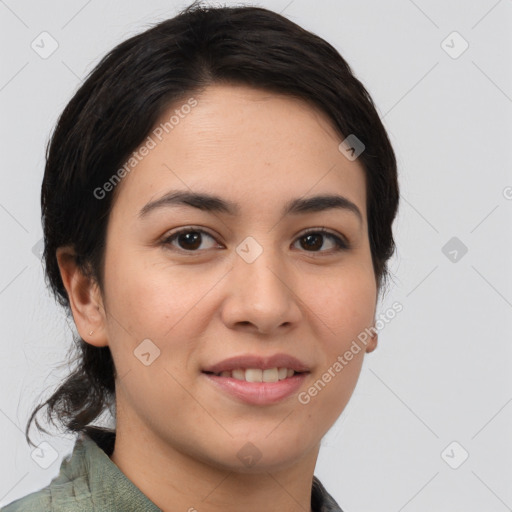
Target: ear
{"type": "Point", "coordinates": [372, 342]}
{"type": "Point", "coordinates": [84, 298]}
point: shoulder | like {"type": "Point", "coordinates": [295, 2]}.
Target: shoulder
{"type": "Point", "coordinates": [67, 490]}
{"type": "Point", "coordinates": [321, 500]}
{"type": "Point", "coordinates": [88, 480]}
{"type": "Point", "coordinates": [51, 498]}
{"type": "Point", "coordinates": [39, 501]}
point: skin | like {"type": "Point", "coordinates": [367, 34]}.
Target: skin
{"type": "Point", "coordinates": [177, 435]}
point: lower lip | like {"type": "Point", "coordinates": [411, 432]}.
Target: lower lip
{"type": "Point", "coordinates": [258, 393]}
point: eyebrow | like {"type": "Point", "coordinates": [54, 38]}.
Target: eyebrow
{"type": "Point", "coordinates": [210, 203]}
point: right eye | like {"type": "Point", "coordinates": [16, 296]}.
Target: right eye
{"type": "Point", "coordinates": [189, 239]}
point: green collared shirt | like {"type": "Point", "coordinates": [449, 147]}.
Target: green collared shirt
{"type": "Point", "coordinates": [90, 481]}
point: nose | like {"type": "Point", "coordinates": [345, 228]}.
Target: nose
{"type": "Point", "coordinates": [261, 296]}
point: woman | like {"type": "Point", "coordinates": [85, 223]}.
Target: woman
{"type": "Point", "coordinates": [217, 203]}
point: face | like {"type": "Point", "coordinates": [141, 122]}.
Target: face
{"type": "Point", "coordinates": [203, 282]}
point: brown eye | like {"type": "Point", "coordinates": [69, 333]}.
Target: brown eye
{"type": "Point", "coordinates": [314, 240]}
{"type": "Point", "coordinates": [187, 239]}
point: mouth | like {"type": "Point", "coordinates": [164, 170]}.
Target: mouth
{"type": "Point", "coordinates": [258, 380]}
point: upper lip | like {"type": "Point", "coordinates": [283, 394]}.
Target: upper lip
{"type": "Point", "coordinates": [261, 362]}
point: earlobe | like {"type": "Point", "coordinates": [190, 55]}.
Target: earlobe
{"type": "Point", "coordinates": [84, 299]}
{"type": "Point", "coordinates": [372, 343]}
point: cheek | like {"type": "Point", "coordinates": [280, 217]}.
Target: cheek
{"type": "Point", "coordinates": [149, 299]}
{"type": "Point", "coordinates": [342, 306]}
{"type": "Point", "coordinates": [326, 396]}
{"type": "Point", "coordinates": [345, 303]}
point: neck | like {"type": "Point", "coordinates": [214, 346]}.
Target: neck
{"type": "Point", "coordinates": [175, 478]}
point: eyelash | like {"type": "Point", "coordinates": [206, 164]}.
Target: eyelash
{"type": "Point", "coordinates": [340, 243]}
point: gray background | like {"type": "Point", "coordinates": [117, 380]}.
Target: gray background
{"type": "Point", "coordinates": [441, 372]}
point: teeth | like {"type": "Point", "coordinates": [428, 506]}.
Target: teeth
{"type": "Point", "coordinates": [254, 375]}
{"type": "Point", "coordinates": [238, 374]}
{"type": "Point", "coordinates": [271, 375]}
{"type": "Point", "coordinates": [257, 375]}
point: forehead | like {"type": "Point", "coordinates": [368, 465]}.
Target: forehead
{"type": "Point", "coordinates": [252, 145]}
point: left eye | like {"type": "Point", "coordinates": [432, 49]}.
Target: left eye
{"type": "Point", "coordinates": [190, 240]}
{"type": "Point", "coordinates": [311, 239]}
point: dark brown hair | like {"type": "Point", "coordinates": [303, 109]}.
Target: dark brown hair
{"type": "Point", "coordinates": [121, 100]}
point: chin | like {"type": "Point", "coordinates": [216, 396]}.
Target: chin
{"type": "Point", "coordinates": [246, 454]}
